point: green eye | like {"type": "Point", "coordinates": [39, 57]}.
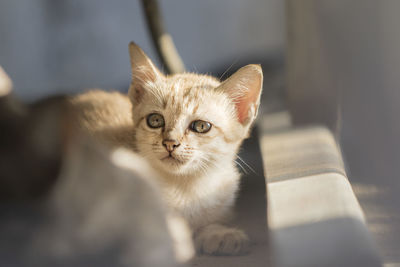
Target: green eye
{"type": "Point", "coordinates": [155, 120]}
{"type": "Point", "coordinates": [200, 126]}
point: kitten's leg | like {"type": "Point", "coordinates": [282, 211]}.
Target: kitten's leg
{"type": "Point", "coordinates": [221, 240]}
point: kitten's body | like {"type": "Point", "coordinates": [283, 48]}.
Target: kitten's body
{"type": "Point", "coordinates": [198, 177]}
{"type": "Point", "coordinates": [106, 115]}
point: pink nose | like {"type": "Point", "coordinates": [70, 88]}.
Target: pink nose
{"type": "Point", "coordinates": [170, 145]}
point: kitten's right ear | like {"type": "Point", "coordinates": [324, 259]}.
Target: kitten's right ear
{"type": "Point", "coordinates": [143, 73]}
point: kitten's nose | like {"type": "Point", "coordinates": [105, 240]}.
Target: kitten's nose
{"type": "Point", "coordinates": [170, 145]}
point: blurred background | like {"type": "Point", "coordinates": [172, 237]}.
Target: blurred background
{"type": "Point", "coordinates": [69, 45]}
{"type": "Point", "coordinates": [329, 62]}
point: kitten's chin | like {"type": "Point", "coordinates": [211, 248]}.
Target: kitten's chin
{"type": "Point", "coordinates": [172, 165]}
{"type": "Point", "coordinates": [171, 161]}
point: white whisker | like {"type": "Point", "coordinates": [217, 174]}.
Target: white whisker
{"type": "Point", "coordinates": [240, 165]}
{"type": "Point", "coordinates": [234, 62]}
{"type": "Point", "coordinates": [247, 165]}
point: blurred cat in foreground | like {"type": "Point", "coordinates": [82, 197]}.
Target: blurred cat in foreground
{"type": "Point", "coordinates": [67, 200]}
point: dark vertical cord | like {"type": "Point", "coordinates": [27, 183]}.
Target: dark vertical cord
{"type": "Point", "coordinates": [163, 42]}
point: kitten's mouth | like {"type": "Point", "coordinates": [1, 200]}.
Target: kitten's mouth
{"type": "Point", "coordinates": [171, 159]}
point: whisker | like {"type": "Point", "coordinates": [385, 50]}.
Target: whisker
{"type": "Point", "coordinates": [240, 165]}
{"type": "Point", "coordinates": [234, 62]}
{"type": "Point", "coordinates": [209, 163]}
{"type": "Point", "coordinates": [247, 165]}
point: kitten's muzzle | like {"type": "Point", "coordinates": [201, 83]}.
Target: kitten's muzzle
{"type": "Point", "coordinates": [170, 145]}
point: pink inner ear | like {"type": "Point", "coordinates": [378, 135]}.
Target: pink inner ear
{"type": "Point", "coordinates": [244, 103]}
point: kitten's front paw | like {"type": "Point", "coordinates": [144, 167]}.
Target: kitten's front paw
{"type": "Point", "coordinates": [220, 240]}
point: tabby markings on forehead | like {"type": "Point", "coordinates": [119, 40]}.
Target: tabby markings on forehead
{"type": "Point", "coordinates": [187, 92]}
{"type": "Point", "coordinates": [200, 87]}
{"type": "Point", "coordinates": [195, 109]}
{"type": "Point", "coordinates": [172, 100]}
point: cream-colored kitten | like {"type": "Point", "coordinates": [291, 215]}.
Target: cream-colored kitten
{"type": "Point", "coordinates": [189, 127]}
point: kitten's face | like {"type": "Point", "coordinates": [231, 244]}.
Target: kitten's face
{"type": "Point", "coordinates": [184, 124]}
{"type": "Point", "coordinates": [188, 122]}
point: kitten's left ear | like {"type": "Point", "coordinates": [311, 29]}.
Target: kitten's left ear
{"type": "Point", "coordinates": [244, 88]}
{"type": "Point", "coordinates": [143, 72]}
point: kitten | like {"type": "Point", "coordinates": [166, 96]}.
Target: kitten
{"type": "Point", "coordinates": [189, 127]}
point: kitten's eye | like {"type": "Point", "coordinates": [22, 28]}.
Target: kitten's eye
{"type": "Point", "coordinates": [200, 126]}
{"type": "Point", "coordinates": [155, 120]}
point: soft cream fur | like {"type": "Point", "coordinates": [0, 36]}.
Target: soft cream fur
{"type": "Point", "coordinates": [200, 181]}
